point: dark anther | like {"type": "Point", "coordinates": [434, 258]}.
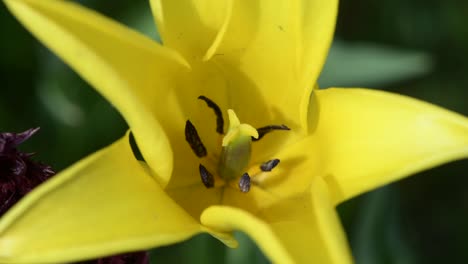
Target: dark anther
{"type": "Point", "coordinates": [218, 113]}
{"type": "Point", "coordinates": [244, 183]}
{"type": "Point", "coordinates": [269, 165]}
{"type": "Point", "coordinates": [191, 135]}
{"type": "Point", "coordinates": [267, 129]}
{"type": "Point", "coordinates": [206, 177]}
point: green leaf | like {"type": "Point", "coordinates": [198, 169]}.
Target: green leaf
{"type": "Point", "coordinates": [369, 65]}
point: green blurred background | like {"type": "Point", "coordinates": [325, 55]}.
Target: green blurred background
{"type": "Point", "coordinates": [417, 48]}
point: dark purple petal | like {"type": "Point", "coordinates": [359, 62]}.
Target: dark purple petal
{"type": "Point", "coordinates": [18, 138]}
{"type": "Point", "coordinates": [2, 144]}
{"type": "Point", "coordinates": [129, 258]}
{"type": "Point", "coordinates": [19, 174]}
{"type": "Point", "coordinates": [141, 257]}
{"type": "Point", "coordinates": [19, 167]}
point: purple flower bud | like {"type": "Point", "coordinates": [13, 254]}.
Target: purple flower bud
{"type": "Point", "coordinates": [19, 174]}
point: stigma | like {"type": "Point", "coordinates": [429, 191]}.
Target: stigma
{"type": "Point", "coordinates": [232, 163]}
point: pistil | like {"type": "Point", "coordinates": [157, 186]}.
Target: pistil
{"type": "Point", "coordinates": [237, 147]}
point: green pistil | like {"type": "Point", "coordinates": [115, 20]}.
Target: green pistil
{"type": "Point", "coordinates": [237, 147]}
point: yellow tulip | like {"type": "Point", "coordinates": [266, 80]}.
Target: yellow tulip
{"type": "Point", "coordinates": [256, 59]}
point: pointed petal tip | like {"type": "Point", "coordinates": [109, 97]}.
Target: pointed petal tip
{"type": "Point", "coordinates": [393, 136]}
{"type": "Point", "coordinates": [225, 237]}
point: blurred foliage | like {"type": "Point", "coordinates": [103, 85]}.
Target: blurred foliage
{"type": "Point", "coordinates": [371, 65]}
{"type": "Point", "coordinates": [417, 48]}
{"type": "Point", "coordinates": [428, 211]}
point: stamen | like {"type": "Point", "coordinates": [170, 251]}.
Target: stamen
{"type": "Point", "coordinates": [244, 183]}
{"type": "Point", "coordinates": [269, 165]}
{"type": "Point", "coordinates": [218, 113]}
{"type": "Point", "coordinates": [192, 137]}
{"type": "Point", "coordinates": [206, 177]}
{"type": "Point", "coordinates": [267, 129]}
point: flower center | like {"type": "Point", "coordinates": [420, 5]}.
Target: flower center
{"type": "Point", "coordinates": [236, 147]}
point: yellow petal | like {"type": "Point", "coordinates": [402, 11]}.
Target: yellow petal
{"type": "Point", "coordinates": [104, 204]}
{"type": "Point", "coordinates": [189, 26]}
{"type": "Point", "coordinates": [301, 229]}
{"type": "Point", "coordinates": [369, 138]}
{"type": "Point", "coordinates": [300, 164]}
{"type": "Point", "coordinates": [196, 197]}
{"type": "Point", "coordinates": [133, 72]}
{"type": "Point", "coordinates": [279, 47]}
